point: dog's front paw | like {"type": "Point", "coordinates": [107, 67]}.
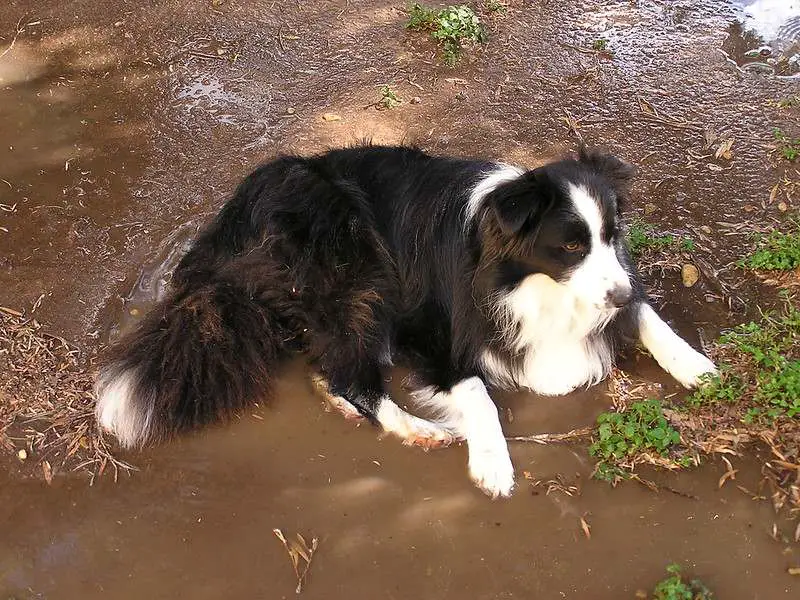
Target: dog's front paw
{"type": "Point", "coordinates": [492, 471]}
{"type": "Point", "coordinates": [691, 368]}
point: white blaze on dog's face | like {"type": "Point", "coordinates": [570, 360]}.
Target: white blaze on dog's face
{"type": "Point", "coordinates": [562, 222]}
{"type": "Point", "coordinates": [598, 280]}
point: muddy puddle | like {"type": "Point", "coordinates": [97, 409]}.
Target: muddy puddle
{"type": "Point", "coordinates": [124, 127]}
{"type": "Point", "coordinates": [765, 38]}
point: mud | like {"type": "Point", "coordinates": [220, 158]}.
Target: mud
{"type": "Point", "coordinates": [126, 124]}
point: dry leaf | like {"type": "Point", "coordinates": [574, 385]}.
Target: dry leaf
{"type": "Point", "coordinates": [297, 549]}
{"type": "Point", "coordinates": [727, 475]}
{"type": "Point", "coordinates": [331, 117]}
{"type": "Point", "coordinates": [724, 150]}
{"type": "Point", "coordinates": [773, 193]}
{"type": "Point", "coordinates": [587, 529]}
{"type": "Point", "coordinates": [793, 570]}
{"type": "Point", "coordinates": [47, 470]}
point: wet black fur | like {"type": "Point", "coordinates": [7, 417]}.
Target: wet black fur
{"type": "Point", "coordinates": [350, 255]}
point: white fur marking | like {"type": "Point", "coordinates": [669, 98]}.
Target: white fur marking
{"type": "Point", "coordinates": [503, 173]}
{"type": "Point", "coordinates": [115, 412]}
{"type": "Point", "coordinates": [469, 410]}
{"type": "Point", "coordinates": [600, 271]}
{"type": "Point", "coordinates": [552, 328]}
{"type": "Point", "coordinates": [411, 429]}
{"type": "Point", "coordinates": [674, 355]}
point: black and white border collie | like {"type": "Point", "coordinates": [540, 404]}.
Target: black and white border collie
{"type": "Point", "coordinates": [470, 273]}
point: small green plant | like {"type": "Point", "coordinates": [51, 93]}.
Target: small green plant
{"type": "Point", "coordinates": [788, 148]}
{"type": "Point", "coordinates": [600, 46]}
{"type": "Point", "coordinates": [642, 236]}
{"type": "Point", "coordinates": [764, 368]}
{"type": "Point", "coordinates": [675, 587]}
{"type": "Point", "coordinates": [389, 98]}
{"type": "Point", "coordinates": [495, 6]}
{"type": "Point", "coordinates": [777, 251]}
{"type": "Point", "coordinates": [620, 435]}
{"type": "Point", "coordinates": [788, 102]}
{"type": "Point", "coordinates": [450, 27]}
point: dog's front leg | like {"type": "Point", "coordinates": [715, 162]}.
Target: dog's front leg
{"type": "Point", "coordinates": [675, 356]}
{"type": "Point", "coordinates": [470, 411]}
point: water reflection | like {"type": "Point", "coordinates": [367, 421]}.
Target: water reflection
{"type": "Point", "coordinates": [766, 37]}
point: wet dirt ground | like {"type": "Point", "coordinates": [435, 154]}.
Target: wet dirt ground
{"type": "Point", "coordinates": [125, 124]}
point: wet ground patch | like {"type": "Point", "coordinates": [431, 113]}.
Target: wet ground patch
{"type": "Point", "coordinates": [130, 124]}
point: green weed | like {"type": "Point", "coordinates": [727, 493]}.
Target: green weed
{"type": "Point", "coordinates": [642, 236]}
{"type": "Point", "coordinates": [600, 45]}
{"type": "Point", "coordinates": [450, 27]}
{"type": "Point", "coordinates": [495, 6]}
{"type": "Point", "coordinates": [788, 102]}
{"type": "Point", "coordinates": [620, 435]}
{"type": "Point", "coordinates": [389, 98]}
{"type": "Point", "coordinates": [675, 587]}
{"type": "Point", "coordinates": [777, 251]}
{"type": "Point", "coordinates": [788, 148]}
{"type": "Point", "coordinates": [764, 368]}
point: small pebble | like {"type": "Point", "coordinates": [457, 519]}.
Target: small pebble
{"type": "Point", "coordinates": [23, 454]}
{"type": "Point", "coordinates": [290, 111]}
{"type": "Point", "coordinates": [416, 100]}
{"type": "Point", "coordinates": [689, 274]}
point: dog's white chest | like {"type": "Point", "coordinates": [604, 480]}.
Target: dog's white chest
{"type": "Point", "coordinates": [552, 334]}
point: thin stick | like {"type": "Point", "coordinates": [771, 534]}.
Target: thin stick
{"type": "Point", "coordinates": [551, 438]}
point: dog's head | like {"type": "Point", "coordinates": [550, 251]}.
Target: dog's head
{"type": "Point", "coordinates": [562, 220]}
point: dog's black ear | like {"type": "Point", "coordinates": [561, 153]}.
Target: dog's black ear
{"type": "Point", "coordinates": [520, 202]}
{"type": "Point", "coordinates": [618, 172]}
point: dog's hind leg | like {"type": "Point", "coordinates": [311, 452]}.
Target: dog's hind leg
{"type": "Point", "coordinates": [675, 355]}
{"type": "Point", "coordinates": [359, 393]}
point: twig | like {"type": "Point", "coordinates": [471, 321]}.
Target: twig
{"type": "Point", "coordinates": [551, 438]}
{"type": "Point", "coordinates": [16, 35]}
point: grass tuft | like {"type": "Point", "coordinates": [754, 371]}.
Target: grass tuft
{"type": "Point", "coordinates": [389, 98]}
{"type": "Point", "coordinates": [495, 6]}
{"type": "Point", "coordinates": [450, 27]}
{"type": "Point", "coordinates": [764, 369]}
{"type": "Point", "coordinates": [776, 252]}
{"type": "Point", "coordinates": [642, 427]}
{"type": "Point", "coordinates": [675, 587]}
{"type": "Point", "coordinates": [788, 148]}
{"type": "Point", "coordinates": [642, 237]}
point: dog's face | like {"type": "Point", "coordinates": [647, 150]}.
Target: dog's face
{"type": "Point", "coordinates": [563, 221]}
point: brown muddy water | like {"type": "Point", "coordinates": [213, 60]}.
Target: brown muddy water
{"type": "Point", "coordinates": [125, 124]}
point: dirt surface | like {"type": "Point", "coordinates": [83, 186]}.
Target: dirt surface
{"type": "Point", "coordinates": [125, 125]}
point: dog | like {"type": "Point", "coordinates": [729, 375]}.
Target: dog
{"type": "Point", "coordinates": [471, 273]}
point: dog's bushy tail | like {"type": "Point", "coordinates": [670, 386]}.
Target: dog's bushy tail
{"type": "Point", "coordinates": [200, 356]}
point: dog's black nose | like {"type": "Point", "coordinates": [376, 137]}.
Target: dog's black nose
{"type": "Point", "coordinates": [619, 296]}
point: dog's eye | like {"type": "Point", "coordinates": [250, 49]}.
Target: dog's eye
{"type": "Point", "coordinates": [572, 246]}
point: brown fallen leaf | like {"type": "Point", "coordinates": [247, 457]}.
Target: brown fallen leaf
{"type": "Point", "coordinates": [729, 474]}
{"type": "Point", "coordinates": [773, 193]}
{"type": "Point", "coordinates": [724, 150]}
{"type": "Point", "coordinates": [47, 470]}
{"type": "Point", "coordinates": [296, 549]}
{"type": "Point", "coordinates": [587, 529]}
